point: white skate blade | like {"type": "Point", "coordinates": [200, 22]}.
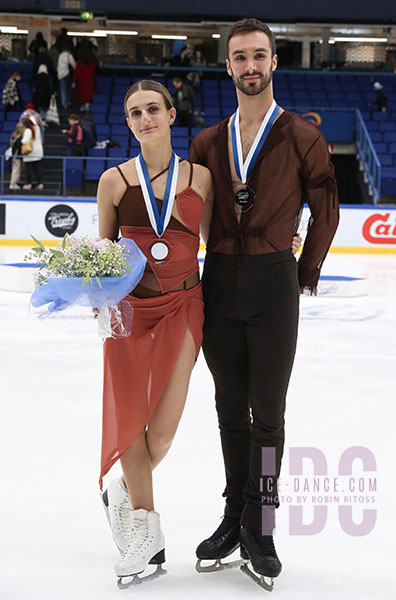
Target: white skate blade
{"type": "Point", "coordinates": [127, 581]}
{"type": "Point", "coordinates": [259, 579]}
{"type": "Point", "coordinates": [218, 565]}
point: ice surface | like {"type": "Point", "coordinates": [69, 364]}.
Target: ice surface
{"type": "Point", "coordinates": [55, 541]}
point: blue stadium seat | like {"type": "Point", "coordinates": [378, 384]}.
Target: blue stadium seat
{"type": "Point", "coordinates": [103, 130]}
{"type": "Point", "coordinates": [98, 108]}
{"type": "Point", "coordinates": [178, 143]}
{"type": "Point", "coordinates": [376, 136]}
{"type": "Point", "coordinates": [380, 116]}
{"type": "Point", "coordinates": [179, 131]}
{"type": "Point", "coordinates": [116, 152]}
{"type": "Point", "coordinates": [94, 169]}
{"type": "Point", "coordinates": [101, 98]}
{"type": "Point", "coordinates": [195, 131]}
{"type": "Point", "coordinates": [392, 148]}
{"type": "Point", "coordinates": [183, 153]}
{"type": "Point", "coordinates": [100, 118]}
{"type": "Point", "coordinates": [117, 119]}
{"type": "Point", "coordinates": [372, 126]}
{"type": "Point", "coordinates": [114, 162]}
{"type": "Point", "coordinates": [211, 111]}
{"type": "Point", "coordinates": [381, 148]}
{"type": "Point", "coordinates": [9, 126]}
{"type": "Point", "coordinates": [318, 95]}
{"type": "Point", "coordinates": [74, 172]}
{"type": "Point", "coordinates": [389, 136]}
{"type": "Point", "coordinates": [388, 181]}
{"type": "Point", "coordinates": [117, 100]}
{"type": "Point", "coordinates": [385, 160]}
{"type": "Point", "coordinates": [97, 152]}
{"type": "Point", "coordinates": [385, 126]}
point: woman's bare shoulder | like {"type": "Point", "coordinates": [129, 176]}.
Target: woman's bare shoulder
{"type": "Point", "coordinates": [202, 173]}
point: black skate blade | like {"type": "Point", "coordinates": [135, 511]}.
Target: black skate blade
{"type": "Point", "coordinates": [127, 581]}
{"type": "Point", "coordinates": [217, 565]}
{"type": "Point", "coordinates": [259, 579]}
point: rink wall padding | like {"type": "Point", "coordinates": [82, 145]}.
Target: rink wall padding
{"type": "Point", "coordinates": [363, 228]}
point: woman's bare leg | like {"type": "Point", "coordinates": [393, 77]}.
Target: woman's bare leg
{"type": "Point", "coordinates": [152, 445]}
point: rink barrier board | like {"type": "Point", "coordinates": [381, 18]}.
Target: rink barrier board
{"type": "Point", "coordinates": [202, 247]}
{"type": "Point", "coordinates": [18, 277]}
{"type": "Point", "coordinates": [362, 229]}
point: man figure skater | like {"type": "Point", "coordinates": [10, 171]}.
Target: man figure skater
{"type": "Point", "coordinates": [265, 162]}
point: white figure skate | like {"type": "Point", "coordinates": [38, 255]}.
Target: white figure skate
{"type": "Point", "coordinates": [118, 508]}
{"type": "Point", "coordinates": [146, 547]}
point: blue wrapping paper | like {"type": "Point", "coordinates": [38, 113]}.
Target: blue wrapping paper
{"type": "Point", "coordinates": [62, 292]}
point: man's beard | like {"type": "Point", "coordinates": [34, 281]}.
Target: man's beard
{"type": "Point", "coordinates": [253, 88]}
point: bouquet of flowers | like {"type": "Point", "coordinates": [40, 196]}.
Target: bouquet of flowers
{"type": "Point", "coordinates": [88, 272]}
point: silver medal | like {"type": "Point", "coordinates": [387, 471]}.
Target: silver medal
{"type": "Point", "coordinates": [159, 251]}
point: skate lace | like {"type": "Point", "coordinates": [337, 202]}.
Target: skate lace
{"type": "Point", "coordinates": [264, 544]}
{"type": "Point", "coordinates": [224, 526]}
{"type": "Point", "coordinates": [139, 540]}
{"type": "Point", "coordinates": [124, 517]}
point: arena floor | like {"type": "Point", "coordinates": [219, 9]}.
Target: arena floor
{"type": "Point", "coordinates": [56, 543]}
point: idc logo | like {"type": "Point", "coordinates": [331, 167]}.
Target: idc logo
{"type": "Point", "coordinates": [380, 229]}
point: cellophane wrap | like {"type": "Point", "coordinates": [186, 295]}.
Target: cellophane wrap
{"type": "Point", "coordinates": [60, 293]}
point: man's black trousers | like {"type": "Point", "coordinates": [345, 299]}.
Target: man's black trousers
{"type": "Point", "coordinates": [250, 333]}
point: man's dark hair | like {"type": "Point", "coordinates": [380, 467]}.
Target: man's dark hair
{"type": "Point", "coordinates": [247, 26]}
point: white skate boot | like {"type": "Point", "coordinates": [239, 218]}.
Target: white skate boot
{"type": "Point", "coordinates": [146, 547]}
{"type": "Point", "coordinates": [118, 508]}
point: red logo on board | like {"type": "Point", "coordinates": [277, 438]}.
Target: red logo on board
{"type": "Point", "coordinates": [379, 229]}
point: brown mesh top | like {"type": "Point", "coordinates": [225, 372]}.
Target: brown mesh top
{"type": "Point", "coordinates": [292, 167]}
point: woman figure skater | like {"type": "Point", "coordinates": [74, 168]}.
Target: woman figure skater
{"type": "Point", "coordinates": [146, 375]}
{"type": "Point", "coordinates": [162, 203]}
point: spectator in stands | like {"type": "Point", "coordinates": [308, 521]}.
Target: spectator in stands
{"type": "Point", "coordinates": [184, 102]}
{"type": "Point", "coordinates": [43, 58]}
{"type": "Point", "coordinates": [380, 98]}
{"type": "Point", "coordinates": [4, 53]}
{"type": "Point", "coordinates": [11, 95]}
{"type": "Point", "coordinates": [31, 112]}
{"type": "Point", "coordinates": [65, 62]}
{"type": "Point", "coordinates": [75, 135]}
{"type": "Point", "coordinates": [84, 78]}
{"type": "Point", "coordinates": [37, 43]}
{"type": "Point", "coordinates": [42, 90]}
{"type": "Point", "coordinates": [197, 61]}
{"type": "Point", "coordinates": [16, 163]}
{"type": "Point", "coordinates": [32, 160]}
{"type": "Point", "coordinates": [183, 59]}
{"type": "Point", "coordinates": [63, 41]}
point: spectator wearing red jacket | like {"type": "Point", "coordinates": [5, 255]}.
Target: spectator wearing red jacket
{"type": "Point", "coordinates": [84, 78]}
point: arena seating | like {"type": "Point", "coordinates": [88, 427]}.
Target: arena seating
{"type": "Point", "coordinates": [216, 99]}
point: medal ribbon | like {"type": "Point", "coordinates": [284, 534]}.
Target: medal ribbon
{"type": "Point", "coordinates": [243, 169]}
{"type": "Point", "coordinates": [159, 222]}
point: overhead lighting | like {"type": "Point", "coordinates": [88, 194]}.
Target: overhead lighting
{"type": "Point", "coordinates": [168, 37]}
{"type": "Point", "coordinates": [359, 39]}
{"type": "Point", "coordinates": [9, 29]}
{"type": "Point", "coordinates": [115, 32]}
{"type": "Point", "coordinates": [87, 33]}
{"type": "Point", "coordinates": [216, 36]}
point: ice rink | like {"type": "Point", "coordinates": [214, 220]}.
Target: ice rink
{"type": "Point", "coordinates": [55, 540]}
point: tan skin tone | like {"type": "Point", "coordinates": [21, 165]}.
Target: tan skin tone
{"type": "Point", "coordinates": [249, 61]}
{"type": "Point", "coordinates": [150, 122]}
